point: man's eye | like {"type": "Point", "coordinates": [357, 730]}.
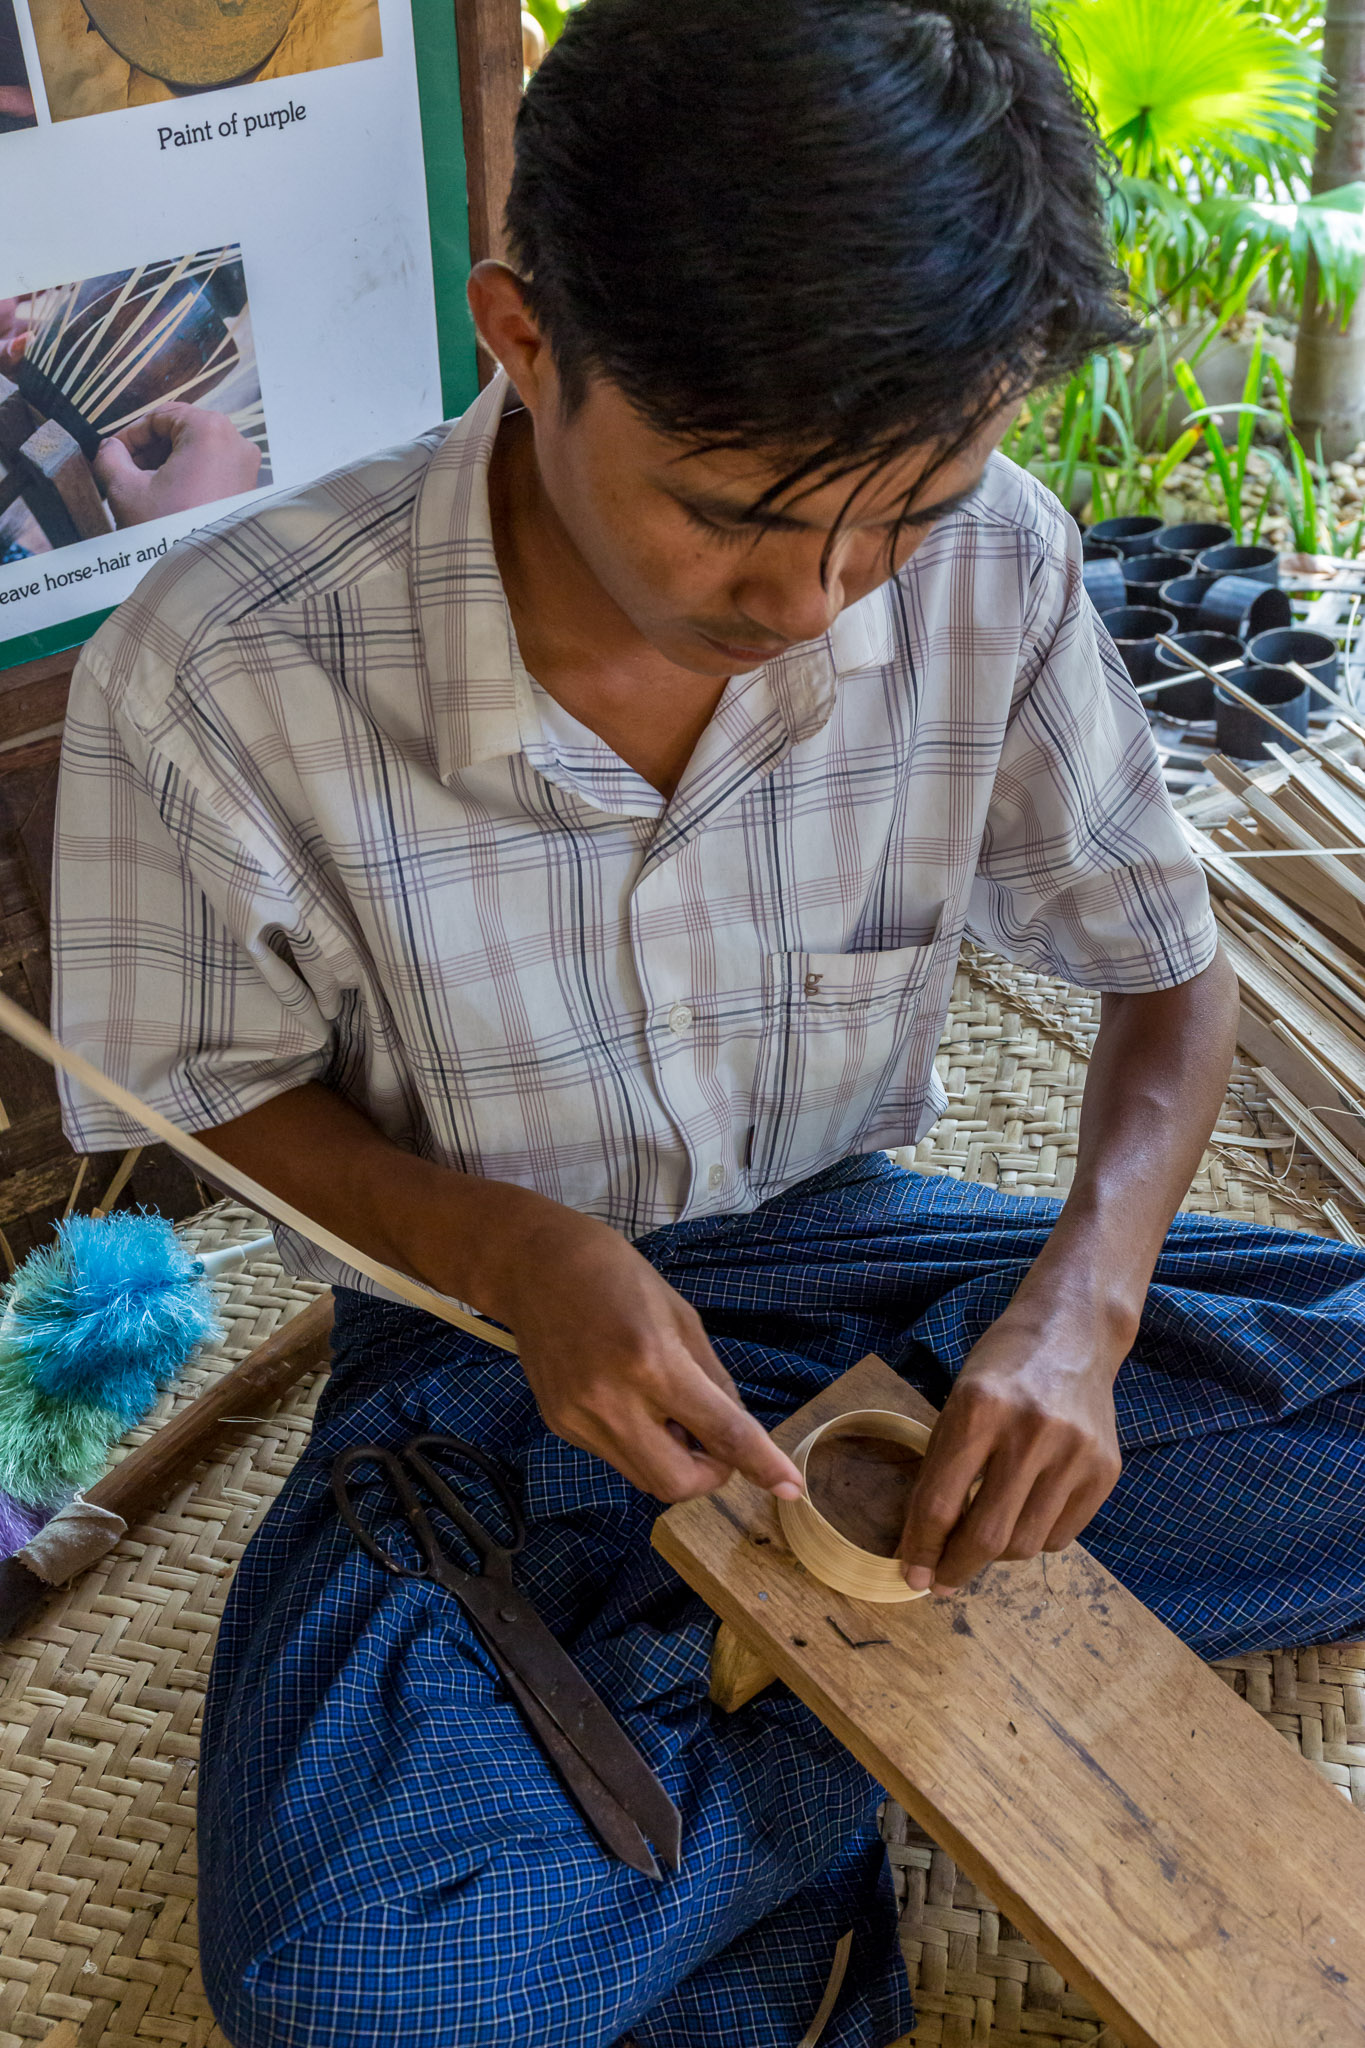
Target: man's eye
{"type": "Point", "coordinates": [726, 536]}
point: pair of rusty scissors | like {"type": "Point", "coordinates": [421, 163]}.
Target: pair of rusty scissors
{"type": "Point", "coordinates": [614, 1788]}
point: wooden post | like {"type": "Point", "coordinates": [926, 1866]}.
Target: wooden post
{"type": "Point", "coordinates": [489, 38]}
{"type": "Point", "coordinates": [1329, 364]}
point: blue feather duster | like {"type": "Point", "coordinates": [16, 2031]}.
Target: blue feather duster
{"type": "Point", "coordinates": [101, 1319]}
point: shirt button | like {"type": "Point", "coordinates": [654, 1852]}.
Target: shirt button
{"type": "Point", "coordinates": [715, 1176]}
{"type": "Point", "coordinates": [679, 1018]}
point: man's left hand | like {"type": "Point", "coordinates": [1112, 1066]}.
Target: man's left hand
{"type": "Point", "coordinates": [1032, 1417]}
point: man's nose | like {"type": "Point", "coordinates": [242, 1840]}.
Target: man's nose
{"type": "Point", "coordinates": [792, 602]}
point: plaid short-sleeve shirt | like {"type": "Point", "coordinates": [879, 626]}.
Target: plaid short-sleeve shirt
{"type": "Point", "coordinates": [317, 823]}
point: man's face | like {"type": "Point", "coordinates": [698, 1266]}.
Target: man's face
{"type": "Point", "coordinates": [671, 537]}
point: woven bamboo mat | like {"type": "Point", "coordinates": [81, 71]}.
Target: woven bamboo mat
{"type": "Point", "coordinates": [99, 1704]}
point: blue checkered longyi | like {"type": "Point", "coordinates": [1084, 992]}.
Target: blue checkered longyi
{"type": "Point", "coordinates": [385, 1855]}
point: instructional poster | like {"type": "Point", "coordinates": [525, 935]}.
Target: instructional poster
{"type": "Point", "coordinates": [221, 280]}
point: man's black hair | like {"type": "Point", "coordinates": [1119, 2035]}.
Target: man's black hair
{"type": "Point", "coordinates": [825, 229]}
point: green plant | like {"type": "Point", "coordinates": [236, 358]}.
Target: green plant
{"type": "Point", "coordinates": [1305, 489]}
{"type": "Point", "coordinates": [1085, 437]}
{"type": "Point", "coordinates": [1180, 86]}
{"type": "Point", "coordinates": [549, 14]}
{"type": "Point", "coordinates": [1230, 468]}
{"type": "Point", "coordinates": [1187, 253]}
{"type": "Point", "coordinates": [1210, 108]}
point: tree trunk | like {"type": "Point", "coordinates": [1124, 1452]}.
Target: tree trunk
{"type": "Point", "coordinates": [1329, 372]}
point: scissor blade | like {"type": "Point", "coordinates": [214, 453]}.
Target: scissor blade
{"type": "Point", "coordinates": [520, 1644]}
{"type": "Point", "coordinates": [608, 1820]}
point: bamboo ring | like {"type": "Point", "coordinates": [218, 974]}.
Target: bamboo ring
{"type": "Point", "coordinates": [827, 1555]}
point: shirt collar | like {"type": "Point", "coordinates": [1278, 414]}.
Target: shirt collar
{"type": "Point", "coordinates": [482, 705]}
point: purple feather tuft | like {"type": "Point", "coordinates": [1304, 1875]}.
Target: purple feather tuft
{"type": "Point", "coordinates": [17, 1523]}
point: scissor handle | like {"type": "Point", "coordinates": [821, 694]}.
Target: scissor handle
{"type": "Point", "coordinates": [391, 1465]}
{"type": "Point", "coordinates": [502, 1477]}
{"type": "Point", "coordinates": [399, 1467]}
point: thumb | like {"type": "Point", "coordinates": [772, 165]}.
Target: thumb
{"type": "Point", "coordinates": [123, 483]}
{"type": "Point", "coordinates": [114, 463]}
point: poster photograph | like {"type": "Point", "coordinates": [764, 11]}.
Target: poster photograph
{"type": "Point", "coordinates": [100, 55]}
{"type": "Point", "coordinates": [16, 94]}
{"type": "Point", "coordinates": [244, 270]}
{"type": "Point", "coordinates": [126, 397]}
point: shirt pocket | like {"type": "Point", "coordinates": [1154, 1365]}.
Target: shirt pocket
{"type": "Point", "coordinates": [834, 1044]}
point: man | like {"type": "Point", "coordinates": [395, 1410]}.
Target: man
{"type": "Point", "coordinates": [541, 854]}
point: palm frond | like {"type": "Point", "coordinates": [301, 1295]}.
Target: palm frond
{"type": "Point", "coordinates": [1174, 80]}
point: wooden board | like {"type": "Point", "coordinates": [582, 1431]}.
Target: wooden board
{"type": "Point", "coordinates": [1160, 1844]}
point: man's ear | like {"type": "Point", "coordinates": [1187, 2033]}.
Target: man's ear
{"type": "Point", "coordinates": [508, 331]}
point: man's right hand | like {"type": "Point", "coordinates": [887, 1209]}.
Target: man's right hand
{"type": "Point", "coordinates": [617, 1360]}
{"type": "Point", "coordinates": [620, 1365]}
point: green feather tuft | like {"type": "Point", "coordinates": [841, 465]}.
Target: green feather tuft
{"type": "Point", "coordinates": [49, 1446]}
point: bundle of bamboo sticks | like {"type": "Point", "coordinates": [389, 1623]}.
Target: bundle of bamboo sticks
{"type": "Point", "coordinates": [95, 340]}
{"type": "Point", "coordinates": [1283, 847]}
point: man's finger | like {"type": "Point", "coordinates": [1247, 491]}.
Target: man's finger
{"type": "Point", "coordinates": [1082, 1507]}
{"type": "Point", "coordinates": [987, 1527]}
{"type": "Point", "coordinates": [732, 1436]}
{"type": "Point", "coordinates": [654, 1460]}
{"type": "Point", "coordinates": [951, 1464]}
{"type": "Point", "coordinates": [114, 463]}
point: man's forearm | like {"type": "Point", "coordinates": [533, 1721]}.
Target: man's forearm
{"type": "Point", "coordinates": [1155, 1086]}
{"type": "Point", "coordinates": [618, 1362]}
{"type": "Point", "coordinates": [1033, 1405]}
{"type": "Point", "coordinates": [453, 1230]}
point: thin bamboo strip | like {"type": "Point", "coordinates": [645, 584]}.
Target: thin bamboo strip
{"type": "Point", "coordinates": [1348, 1169]}
{"type": "Point", "coordinates": [66, 372]}
{"type": "Point", "coordinates": [102, 377]}
{"type": "Point", "coordinates": [1343, 770]}
{"type": "Point", "coordinates": [1256, 889]}
{"type": "Point", "coordinates": [33, 1035]}
{"type": "Point", "coordinates": [1281, 998]}
{"type": "Point", "coordinates": [84, 394]}
{"type": "Point", "coordinates": [46, 328]}
{"type": "Point", "coordinates": [101, 397]}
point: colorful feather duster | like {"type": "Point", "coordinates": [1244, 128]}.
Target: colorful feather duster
{"type": "Point", "coordinates": [93, 1327]}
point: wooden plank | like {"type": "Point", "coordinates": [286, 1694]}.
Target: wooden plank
{"type": "Point", "coordinates": [1163, 1847]}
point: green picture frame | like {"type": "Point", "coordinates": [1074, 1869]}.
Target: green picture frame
{"type": "Point", "coordinates": [438, 88]}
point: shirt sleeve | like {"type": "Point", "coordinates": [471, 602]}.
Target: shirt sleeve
{"type": "Point", "coordinates": [1084, 871]}
{"type": "Point", "coordinates": [176, 962]}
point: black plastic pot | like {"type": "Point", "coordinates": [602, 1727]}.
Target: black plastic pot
{"type": "Point", "coordinates": [1193, 698]}
{"type": "Point", "coordinates": [1132, 536]}
{"type": "Point", "coordinates": [1240, 732]}
{"type": "Point", "coordinates": [1313, 651]}
{"type": "Point", "coordinates": [1241, 605]}
{"type": "Point", "coordinates": [1260, 565]}
{"type": "Point", "coordinates": [1143, 575]}
{"type": "Point", "coordinates": [1093, 550]}
{"type": "Point", "coordinates": [1182, 595]}
{"type": "Point", "coordinates": [1103, 580]}
{"type": "Point", "coordinates": [1191, 538]}
{"type": "Point", "coordinates": [1133, 629]}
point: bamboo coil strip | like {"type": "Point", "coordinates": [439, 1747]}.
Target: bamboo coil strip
{"type": "Point", "coordinates": [829, 1556]}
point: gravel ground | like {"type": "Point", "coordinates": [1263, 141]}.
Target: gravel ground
{"type": "Point", "coordinates": [1192, 492]}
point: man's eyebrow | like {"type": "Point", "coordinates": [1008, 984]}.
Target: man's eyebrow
{"type": "Point", "coordinates": [725, 513]}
